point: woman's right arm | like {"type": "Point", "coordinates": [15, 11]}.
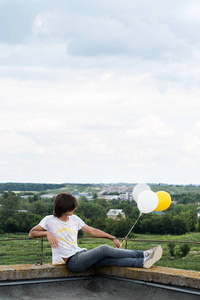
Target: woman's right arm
{"type": "Point", "coordinates": [38, 231]}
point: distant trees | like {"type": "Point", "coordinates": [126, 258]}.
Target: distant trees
{"type": "Point", "coordinates": [12, 217]}
{"type": "Point", "coordinates": [41, 208]}
{"type": "Point", "coordinates": [95, 196]}
{"type": "Point", "coordinates": [91, 211]}
{"type": "Point", "coordinates": [186, 198]}
{"type": "Point", "coordinates": [177, 219]}
{"type": "Point", "coordinates": [15, 186]}
{"type": "Point", "coordinates": [118, 228]}
{"type": "Point", "coordinates": [9, 205]}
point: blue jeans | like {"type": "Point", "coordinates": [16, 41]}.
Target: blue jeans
{"type": "Point", "coordinates": [104, 256]}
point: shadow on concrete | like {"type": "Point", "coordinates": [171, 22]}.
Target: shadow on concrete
{"type": "Point", "coordinates": [94, 287]}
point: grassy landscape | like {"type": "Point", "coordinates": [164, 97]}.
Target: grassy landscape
{"type": "Point", "coordinates": [23, 250]}
{"type": "Point", "coordinates": [91, 189]}
{"type": "Point", "coordinates": [177, 189]}
{"type": "Point", "coordinates": [28, 251]}
{"type": "Point", "coordinates": [96, 188]}
{"type": "Point", "coordinates": [78, 188]}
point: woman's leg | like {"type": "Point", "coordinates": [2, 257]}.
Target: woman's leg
{"type": "Point", "coordinates": [120, 262]}
{"type": "Point", "coordinates": [106, 255]}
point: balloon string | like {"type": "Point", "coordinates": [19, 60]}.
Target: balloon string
{"type": "Point", "coordinates": [131, 229]}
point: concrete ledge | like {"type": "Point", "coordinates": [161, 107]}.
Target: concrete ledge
{"type": "Point", "coordinates": [23, 272]}
{"type": "Point", "coordinates": [168, 276]}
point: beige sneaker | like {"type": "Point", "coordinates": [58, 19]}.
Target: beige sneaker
{"type": "Point", "coordinates": [154, 256]}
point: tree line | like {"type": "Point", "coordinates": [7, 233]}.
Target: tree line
{"type": "Point", "coordinates": [19, 214]}
{"type": "Point", "coordinates": [15, 186]}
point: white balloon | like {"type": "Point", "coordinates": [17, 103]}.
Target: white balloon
{"type": "Point", "coordinates": [147, 202]}
{"type": "Point", "coordinates": [138, 189]}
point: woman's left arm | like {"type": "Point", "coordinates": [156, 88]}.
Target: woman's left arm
{"type": "Point", "coordinates": [101, 234]}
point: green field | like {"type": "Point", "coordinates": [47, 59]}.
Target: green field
{"type": "Point", "coordinates": [76, 188]}
{"type": "Point", "coordinates": [177, 189]}
{"type": "Point", "coordinates": [28, 251]}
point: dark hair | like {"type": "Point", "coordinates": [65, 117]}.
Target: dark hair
{"type": "Point", "coordinates": [64, 202]}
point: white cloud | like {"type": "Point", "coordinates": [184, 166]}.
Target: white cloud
{"type": "Point", "coordinates": [150, 126]}
{"type": "Point", "coordinates": [40, 125]}
{"type": "Point", "coordinates": [192, 10]}
{"type": "Point", "coordinates": [15, 143]}
{"type": "Point", "coordinates": [94, 91]}
{"type": "Point", "coordinates": [191, 143]}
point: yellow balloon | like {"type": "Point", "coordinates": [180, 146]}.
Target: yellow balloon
{"type": "Point", "coordinates": [164, 201]}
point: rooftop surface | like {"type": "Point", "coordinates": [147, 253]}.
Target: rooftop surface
{"type": "Point", "coordinates": [50, 282]}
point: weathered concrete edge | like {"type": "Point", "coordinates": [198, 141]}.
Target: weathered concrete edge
{"type": "Point", "coordinates": [169, 276]}
{"type": "Point", "coordinates": [24, 272]}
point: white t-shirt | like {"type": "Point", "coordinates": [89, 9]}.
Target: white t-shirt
{"type": "Point", "coordinates": [66, 235]}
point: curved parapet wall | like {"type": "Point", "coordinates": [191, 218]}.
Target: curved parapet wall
{"type": "Point", "coordinates": [159, 275]}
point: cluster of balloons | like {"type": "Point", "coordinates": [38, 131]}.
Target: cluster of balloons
{"type": "Point", "coordinates": [148, 201]}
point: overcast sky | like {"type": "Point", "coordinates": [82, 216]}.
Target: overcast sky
{"type": "Point", "coordinates": [100, 91]}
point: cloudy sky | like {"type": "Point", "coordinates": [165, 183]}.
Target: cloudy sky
{"type": "Point", "coordinates": [100, 91]}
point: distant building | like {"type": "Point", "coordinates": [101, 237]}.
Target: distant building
{"type": "Point", "coordinates": [175, 202]}
{"type": "Point", "coordinates": [198, 211]}
{"type": "Point", "coordinates": [111, 197]}
{"type": "Point", "coordinates": [126, 196]}
{"type": "Point", "coordinates": [115, 213]}
{"type": "Point", "coordinates": [129, 195]}
{"type": "Point", "coordinates": [49, 196]}
{"type": "Point", "coordinates": [89, 197]}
